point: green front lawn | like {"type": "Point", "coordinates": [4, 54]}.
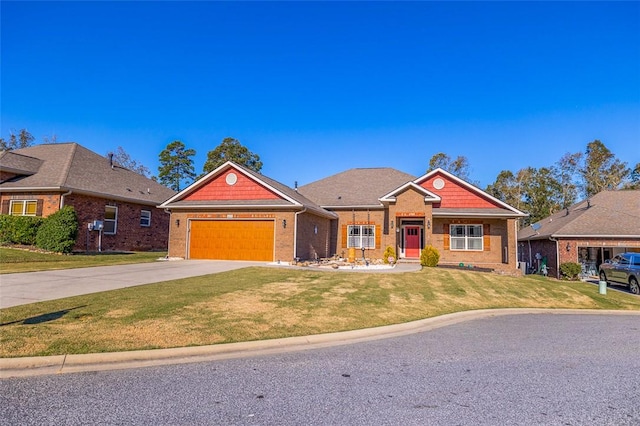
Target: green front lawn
{"type": "Point", "coordinates": [16, 260]}
{"type": "Point", "coordinates": [266, 303]}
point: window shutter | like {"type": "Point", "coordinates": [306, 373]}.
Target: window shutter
{"type": "Point", "coordinates": [39, 205]}
{"type": "Point", "coordinates": [486, 236]}
{"type": "Point", "coordinates": [5, 206]}
{"type": "Point", "coordinates": [378, 236]}
{"type": "Point", "coordinates": [445, 231]}
{"type": "Point", "coordinates": [344, 236]}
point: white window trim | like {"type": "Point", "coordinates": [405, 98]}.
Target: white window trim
{"type": "Point", "coordinates": [466, 238]}
{"type": "Point", "coordinates": [115, 221]}
{"type": "Point", "coordinates": [146, 218]}
{"type": "Point", "coordinates": [361, 240]}
{"type": "Point", "coordinates": [24, 207]}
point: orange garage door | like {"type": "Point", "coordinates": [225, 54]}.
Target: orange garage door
{"type": "Point", "coordinates": [231, 239]}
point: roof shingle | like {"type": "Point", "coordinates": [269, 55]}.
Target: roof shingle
{"type": "Point", "coordinates": [606, 214]}
{"type": "Point", "coordinates": [69, 166]}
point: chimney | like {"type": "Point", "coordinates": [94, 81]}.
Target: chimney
{"type": "Point", "coordinates": [111, 159]}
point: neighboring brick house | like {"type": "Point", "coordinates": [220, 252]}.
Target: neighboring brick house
{"type": "Point", "coordinates": [41, 179]}
{"type": "Point", "coordinates": [219, 217]}
{"type": "Point", "coordinates": [588, 232]}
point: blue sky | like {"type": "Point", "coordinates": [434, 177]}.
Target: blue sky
{"type": "Point", "coordinates": [318, 88]}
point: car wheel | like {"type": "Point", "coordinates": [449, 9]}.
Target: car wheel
{"type": "Point", "coordinates": [633, 286]}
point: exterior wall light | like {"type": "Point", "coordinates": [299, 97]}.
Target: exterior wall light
{"type": "Point", "coordinates": [315, 229]}
{"type": "Point", "coordinates": [177, 222]}
{"type": "Point", "coordinates": [428, 224]}
{"type": "Point", "coordinates": [284, 223]}
{"type": "Point", "coordinates": [568, 247]}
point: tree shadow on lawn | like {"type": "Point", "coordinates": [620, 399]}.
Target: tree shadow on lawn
{"type": "Point", "coordinates": [39, 319]}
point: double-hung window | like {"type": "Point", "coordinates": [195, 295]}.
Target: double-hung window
{"type": "Point", "coordinates": [360, 236]}
{"type": "Point", "coordinates": [466, 237]}
{"type": "Point", "coordinates": [110, 219]}
{"type": "Point", "coordinates": [23, 207]}
{"type": "Point", "coordinates": [145, 218]}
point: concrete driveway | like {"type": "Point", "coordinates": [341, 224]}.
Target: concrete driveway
{"type": "Point", "coordinates": [31, 287]}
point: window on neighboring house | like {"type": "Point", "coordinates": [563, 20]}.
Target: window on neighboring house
{"type": "Point", "coordinates": [145, 218]}
{"type": "Point", "coordinates": [110, 219]}
{"type": "Point", "coordinates": [466, 237]}
{"type": "Point", "coordinates": [361, 236]}
{"type": "Point", "coordinates": [23, 207]}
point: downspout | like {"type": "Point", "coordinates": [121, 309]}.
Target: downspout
{"type": "Point", "coordinates": [295, 233]}
{"type": "Point", "coordinates": [62, 198]}
{"type": "Point", "coordinates": [530, 264]}
{"type": "Point", "coordinates": [517, 260]}
{"type": "Point", "coordinates": [557, 257]}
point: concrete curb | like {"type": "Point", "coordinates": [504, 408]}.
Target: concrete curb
{"type": "Point", "coordinates": [63, 364]}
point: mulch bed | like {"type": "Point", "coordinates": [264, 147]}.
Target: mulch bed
{"type": "Point", "coordinates": [466, 268]}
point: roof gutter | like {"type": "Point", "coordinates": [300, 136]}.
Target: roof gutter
{"type": "Point", "coordinates": [357, 207]}
{"type": "Point", "coordinates": [295, 233]}
{"type": "Point", "coordinates": [62, 198]}
{"type": "Point", "coordinates": [595, 236]}
{"type": "Point", "coordinates": [82, 192]}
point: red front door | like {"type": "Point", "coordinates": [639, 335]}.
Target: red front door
{"type": "Point", "coordinates": [412, 241]}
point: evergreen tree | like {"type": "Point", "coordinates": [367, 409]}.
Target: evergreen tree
{"type": "Point", "coordinates": [232, 150]}
{"type": "Point", "coordinates": [176, 165]}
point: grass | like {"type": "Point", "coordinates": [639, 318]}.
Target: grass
{"type": "Point", "coordinates": [15, 260]}
{"type": "Point", "coordinates": [265, 303]}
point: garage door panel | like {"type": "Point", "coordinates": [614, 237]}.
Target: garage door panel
{"type": "Point", "coordinates": [232, 239]}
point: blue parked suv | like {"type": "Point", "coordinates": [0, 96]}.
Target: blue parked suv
{"type": "Point", "coordinates": [623, 268]}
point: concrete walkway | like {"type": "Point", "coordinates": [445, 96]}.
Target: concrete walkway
{"type": "Point", "coordinates": [31, 287]}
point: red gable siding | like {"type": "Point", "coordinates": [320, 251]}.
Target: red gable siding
{"type": "Point", "coordinates": [455, 195]}
{"type": "Point", "coordinates": [243, 189]}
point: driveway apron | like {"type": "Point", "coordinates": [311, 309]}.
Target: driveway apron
{"type": "Point", "coordinates": [31, 287]}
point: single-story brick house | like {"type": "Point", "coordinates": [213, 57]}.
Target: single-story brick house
{"type": "Point", "coordinates": [40, 180]}
{"type": "Point", "coordinates": [589, 232]}
{"type": "Point", "coordinates": [236, 213]}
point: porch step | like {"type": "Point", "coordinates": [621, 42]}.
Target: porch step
{"type": "Point", "coordinates": [404, 260]}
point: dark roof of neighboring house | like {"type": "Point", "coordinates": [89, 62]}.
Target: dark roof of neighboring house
{"type": "Point", "coordinates": [355, 187]}
{"type": "Point", "coordinates": [19, 164]}
{"type": "Point", "coordinates": [606, 214]}
{"type": "Point", "coordinates": [72, 167]}
{"type": "Point", "coordinates": [291, 194]}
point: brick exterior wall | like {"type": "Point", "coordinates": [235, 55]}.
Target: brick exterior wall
{"type": "Point", "coordinates": [499, 253]}
{"type": "Point", "coordinates": [547, 248]}
{"type": "Point", "coordinates": [312, 244]}
{"type": "Point", "coordinates": [360, 217]}
{"type": "Point", "coordinates": [284, 236]}
{"type": "Point", "coordinates": [50, 201]}
{"type": "Point", "coordinates": [130, 235]}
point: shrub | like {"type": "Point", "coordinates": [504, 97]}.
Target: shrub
{"type": "Point", "coordinates": [58, 232]}
{"type": "Point", "coordinates": [19, 229]}
{"type": "Point", "coordinates": [570, 270]}
{"type": "Point", "coordinates": [429, 256]}
{"type": "Point", "coordinates": [389, 252]}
